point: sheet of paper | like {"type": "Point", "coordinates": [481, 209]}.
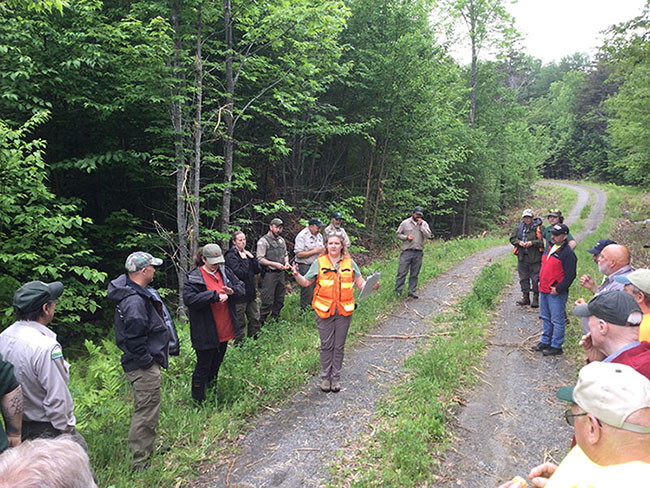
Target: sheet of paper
{"type": "Point", "coordinates": [367, 288]}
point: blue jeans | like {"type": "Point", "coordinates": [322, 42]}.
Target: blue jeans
{"type": "Point", "coordinates": [551, 309]}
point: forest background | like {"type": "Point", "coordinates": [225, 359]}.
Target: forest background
{"type": "Point", "coordinates": [164, 125]}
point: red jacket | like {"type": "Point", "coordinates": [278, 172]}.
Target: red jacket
{"type": "Point", "coordinates": [558, 269]}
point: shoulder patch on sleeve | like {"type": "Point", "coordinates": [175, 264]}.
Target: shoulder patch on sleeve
{"type": "Point", "coordinates": [56, 352]}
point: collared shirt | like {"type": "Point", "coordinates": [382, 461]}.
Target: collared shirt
{"type": "Point", "coordinates": [616, 354]}
{"type": "Point", "coordinates": [331, 229]}
{"type": "Point", "coordinates": [410, 227]}
{"type": "Point", "coordinates": [306, 241]}
{"type": "Point", "coordinates": [41, 370]}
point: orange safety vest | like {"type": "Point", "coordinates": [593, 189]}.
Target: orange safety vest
{"type": "Point", "coordinates": [334, 288]}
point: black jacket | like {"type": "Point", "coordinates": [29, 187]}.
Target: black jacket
{"type": "Point", "coordinates": [140, 330]}
{"type": "Point", "coordinates": [245, 270]}
{"type": "Point", "coordinates": [197, 299]}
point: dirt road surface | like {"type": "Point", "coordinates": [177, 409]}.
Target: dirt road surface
{"type": "Point", "coordinates": [294, 446]}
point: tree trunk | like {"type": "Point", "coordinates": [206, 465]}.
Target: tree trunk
{"type": "Point", "coordinates": [198, 135]}
{"type": "Point", "coordinates": [229, 119]}
{"type": "Point", "coordinates": [182, 256]}
{"type": "Point", "coordinates": [366, 202]}
{"type": "Point", "coordinates": [473, 34]}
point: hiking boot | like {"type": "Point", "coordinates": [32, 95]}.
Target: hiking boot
{"type": "Point", "coordinates": [413, 295]}
{"type": "Point", "coordinates": [553, 351]}
{"type": "Point", "coordinates": [525, 299]}
{"type": "Point", "coordinates": [325, 384]}
{"type": "Point", "coordinates": [535, 302]}
{"type": "Point", "coordinates": [541, 347]}
{"type": "Point", "coordinates": [336, 386]}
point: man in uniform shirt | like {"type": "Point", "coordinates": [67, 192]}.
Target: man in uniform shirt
{"type": "Point", "coordinates": [38, 363]}
{"type": "Point", "coordinates": [274, 259]}
{"type": "Point", "coordinates": [335, 227]}
{"type": "Point", "coordinates": [307, 247]}
{"type": "Point", "coordinates": [412, 232]}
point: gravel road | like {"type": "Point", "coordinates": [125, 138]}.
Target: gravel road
{"type": "Point", "coordinates": [294, 446]}
{"type": "Point", "coordinates": [512, 420]}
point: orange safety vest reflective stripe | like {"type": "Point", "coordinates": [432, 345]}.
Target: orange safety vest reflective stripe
{"type": "Point", "coordinates": [334, 288]}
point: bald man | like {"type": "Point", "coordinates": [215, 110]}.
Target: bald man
{"type": "Point", "coordinates": [613, 260]}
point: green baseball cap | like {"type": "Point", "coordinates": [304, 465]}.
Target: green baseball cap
{"type": "Point", "coordinates": [337, 215]}
{"type": "Point", "coordinates": [33, 295]}
{"type": "Point", "coordinates": [140, 260]}
{"type": "Point", "coordinates": [277, 222]}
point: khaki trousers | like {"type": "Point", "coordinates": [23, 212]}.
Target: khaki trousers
{"type": "Point", "coordinates": [146, 409]}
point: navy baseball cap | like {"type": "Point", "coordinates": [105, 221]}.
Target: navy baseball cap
{"type": "Point", "coordinates": [600, 245]}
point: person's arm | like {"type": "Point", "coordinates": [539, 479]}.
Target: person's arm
{"type": "Point", "coordinates": [235, 284]}
{"type": "Point", "coordinates": [573, 244]}
{"type": "Point", "coordinates": [261, 256]}
{"type": "Point", "coordinates": [402, 233]}
{"type": "Point", "coordinates": [195, 298]}
{"type": "Point", "coordinates": [425, 229]}
{"type": "Point", "coordinates": [300, 279]}
{"type": "Point", "coordinates": [11, 405]}
{"type": "Point", "coordinates": [514, 240]}
{"type": "Point", "coordinates": [133, 311]}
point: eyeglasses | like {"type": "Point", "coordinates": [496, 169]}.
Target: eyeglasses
{"type": "Point", "coordinates": [570, 417]}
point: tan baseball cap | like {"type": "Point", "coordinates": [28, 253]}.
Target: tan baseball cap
{"type": "Point", "coordinates": [610, 391]}
{"type": "Point", "coordinates": [212, 254]}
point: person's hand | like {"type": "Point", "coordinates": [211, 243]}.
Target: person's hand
{"type": "Point", "coordinates": [222, 297]}
{"type": "Point", "coordinates": [14, 440]}
{"type": "Point", "coordinates": [522, 244]}
{"type": "Point", "coordinates": [539, 475]}
{"type": "Point", "coordinates": [286, 267]}
{"type": "Point", "coordinates": [294, 269]}
{"type": "Point", "coordinates": [588, 282]}
{"type": "Point", "coordinates": [248, 254]}
{"type": "Point", "coordinates": [554, 291]}
{"type": "Point", "coordinates": [580, 301]}
{"type": "Point", "coordinates": [278, 265]}
{"type": "Point", "coordinates": [227, 290]}
{"type": "Point", "coordinates": [516, 482]}
{"type": "Point", "coordinates": [319, 249]}
{"type": "Point", "coordinates": [592, 353]}
{"type": "Point", "coordinates": [375, 286]}
{"type": "Point", "coordinates": [410, 238]}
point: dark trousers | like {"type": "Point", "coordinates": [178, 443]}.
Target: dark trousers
{"type": "Point", "coordinates": [272, 295]}
{"type": "Point", "coordinates": [306, 293]}
{"type": "Point", "coordinates": [206, 370]}
{"type": "Point", "coordinates": [528, 273]}
{"type": "Point", "coordinates": [409, 259]}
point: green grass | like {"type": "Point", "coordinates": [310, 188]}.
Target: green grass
{"type": "Point", "coordinates": [411, 423]}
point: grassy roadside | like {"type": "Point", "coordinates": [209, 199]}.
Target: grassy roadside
{"type": "Point", "coordinates": [256, 377]}
{"type": "Point", "coordinates": [410, 424]}
{"type": "Point", "coordinates": [617, 225]}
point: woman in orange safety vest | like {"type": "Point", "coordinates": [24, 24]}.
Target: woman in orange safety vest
{"type": "Point", "coordinates": [335, 274]}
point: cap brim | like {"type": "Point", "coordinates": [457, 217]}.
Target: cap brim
{"type": "Point", "coordinates": [582, 310]}
{"type": "Point", "coordinates": [55, 289]}
{"type": "Point", "coordinates": [566, 393]}
{"type": "Point", "coordinates": [623, 279]}
{"type": "Point", "coordinates": [216, 260]}
{"type": "Point", "coordinates": [156, 261]}
{"type": "Point", "coordinates": [593, 251]}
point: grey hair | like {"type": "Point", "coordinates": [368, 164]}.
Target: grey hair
{"type": "Point", "coordinates": [46, 463]}
{"type": "Point", "coordinates": [646, 296]}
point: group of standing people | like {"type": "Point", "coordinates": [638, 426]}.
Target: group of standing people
{"type": "Point", "coordinates": [220, 294]}
{"type": "Point", "coordinates": [547, 266]}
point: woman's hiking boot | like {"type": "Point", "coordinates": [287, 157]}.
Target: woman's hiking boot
{"type": "Point", "coordinates": [525, 299]}
{"type": "Point", "coordinates": [535, 302]}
